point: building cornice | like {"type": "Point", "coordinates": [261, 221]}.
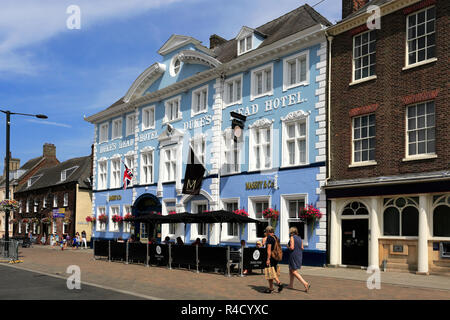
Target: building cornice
{"type": "Point", "coordinates": [361, 19]}
{"type": "Point", "coordinates": [191, 56]}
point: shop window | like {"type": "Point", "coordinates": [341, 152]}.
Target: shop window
{"type": "Point", "coordinates": [232, 228]}
{"type": "Point", "coordinates": [441, 221]}
{"type": "Point", "coordinates": [259, 207]}
{"type": "Point", "coordinates": [144, 231]}
{"type": "Point", "coordinates": [294, 206]}
{"type": "Point", "coordinates": [401, 217]}
{"type": "Point", "coordinates": [126, 225]}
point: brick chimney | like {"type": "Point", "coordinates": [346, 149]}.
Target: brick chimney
{"type": "Point", "coordinates": [215, 41]}
{"type": "Point", "coordinates": [49, 150]}
{"type": "Point", "coordinates": [350, 6]}
{"type": "Point", "coordinates": [14, 164]}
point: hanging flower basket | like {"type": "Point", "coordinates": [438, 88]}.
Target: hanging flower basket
{"type": "Point", "coordinates": [34, 220]}
{"type": "Point", "coordinates": [90, 219]}
{"type": "Point", "coordinates": [66, 220]}
{"type": "Point", "coordinates": [103, 218]}
{"type": "Point", "coordinates": [310, 215]}
{"type": "Point", "coordinates": [241, 212]}
{"type": "Point", "coordinates": [271, 214]}
{"type": "Point", "coordinates": [46, 220]}
{"type": "Point", "coordinates": [128, 216]}
{"type": "Point", "coordinates": [10, 205]}
{"type": "Point", "coordinates": [116, 218]}
{"type": "Point", "coordinates": [25, 220]}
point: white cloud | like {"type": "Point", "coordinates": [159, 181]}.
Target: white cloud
{"type": "Point", "coordinates": [51, 123]}
{"type": "Point", "coordinates": [33, 22]}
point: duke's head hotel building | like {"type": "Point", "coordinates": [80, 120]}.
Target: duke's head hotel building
{"type": "Point", "coordinates": [274, 75]}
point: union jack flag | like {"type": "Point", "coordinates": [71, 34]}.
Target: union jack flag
{"type": "Point", "coordinates": [127, 176]}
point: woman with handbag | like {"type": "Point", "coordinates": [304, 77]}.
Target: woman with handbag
{"type": "Point", "coordinates": [295, 245]}
{"type": "Point", "coordinates": [272, 270]}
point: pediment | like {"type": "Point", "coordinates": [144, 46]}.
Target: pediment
{"type": "Point", "coordinates": [196, 57]}
{"type": "Point", "coordinates": [146, 78]}
{"type": "Point", "coordinates": [245, 31]}
{"type": "Point", "coordinates": [177, 41]}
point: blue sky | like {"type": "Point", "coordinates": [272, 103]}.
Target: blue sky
{"type": "Point", "coordinates": [66, 74]}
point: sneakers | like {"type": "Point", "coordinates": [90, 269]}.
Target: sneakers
{"type": "Point", "coordinates": [280, 287]}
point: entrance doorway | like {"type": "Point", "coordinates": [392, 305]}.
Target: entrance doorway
{"type": "Point", "coordinates": [355, 242]}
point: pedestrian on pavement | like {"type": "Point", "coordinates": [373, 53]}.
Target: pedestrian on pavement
{"type": "Point", "coordinates": [43, 239]}
{"type": "Point", "coordinates": [76, 241]}
{"type": "Point", "coordinates": [30, 237]}
{"type": "Point", "coordinates": [264, 239]}
{"type": "Point", "coordinates": [67, 241]}
{"type": "Point", "coordinates": [180, 241]}
{"type": "Point", "coordinates": [52, 239]}
{"type": "Point", "coordinates": [197, 242]}
{"type": "Point", "coordinates": [83, 238]}
{"type": "Point", "coordinates": [204, 242]}
{"type": "Point", "coordinates": [272, 270]}
{"type": "Point", "coordinates": [241, 252]}
{"type": "Point", "coordinates": [56, 239]}
{"type": "Point", "coordinates": [295, 246]}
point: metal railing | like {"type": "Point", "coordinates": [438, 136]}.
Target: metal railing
{"type": "Point", "coordinates": [9, 249]}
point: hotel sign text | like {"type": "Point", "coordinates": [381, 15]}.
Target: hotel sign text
{"type": "Point", "coordinates": [269, 184]}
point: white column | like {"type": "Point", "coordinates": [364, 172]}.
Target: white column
{"type": "Point", "coordinates": [178, 185]}
{"type": "Point", "coordinates": [334, 236]}
{"type": "Point", "coordinates": [422, 245]}
{"type": "Point", "coordinates": [159, 188]}
{"type": "Point", "coordinates": [374, 234]}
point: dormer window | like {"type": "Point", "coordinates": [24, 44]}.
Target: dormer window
{"type": "Point", "coordinates": [66, 173]}
{"type": "Point", "coordinates": [63, 175]}
{"type": "Point", "coordinates": [32, 180]}
{"type": "Point", "coordinates": [245, 44]}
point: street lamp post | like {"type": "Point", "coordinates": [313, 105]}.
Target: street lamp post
{"type": "Point", "coordinates": [8, 122]}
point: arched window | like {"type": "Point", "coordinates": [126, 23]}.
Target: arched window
{"type": "Point", "coordinates": [441, 216]}
{"type": "Point", "coordinates": [401, 217]}
{"type": "Point", "coordinates": [355, 208]}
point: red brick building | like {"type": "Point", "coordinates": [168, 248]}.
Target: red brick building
{"type": "Point", "coordinates": [389, 145]}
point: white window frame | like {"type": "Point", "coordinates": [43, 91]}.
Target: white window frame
{"type": "Point", "coordinates": [178, 228]}
{"type": "Point", "coordinates": [102, 175]}
{"type": "Point", "coordinates": [20, 227]}
{"type": "Point", "coordinates": [54, 226]}
{"type": "Point", "coordinates": [253, 82]}
{"type": "Point", "coordinates": [66, 200]}
{"type": "Point", "coordinates": [168, 106]}
{"type": "Point", "coordinates": [65, 227]}
{"type": "Point", "coordinates": [116, 123]}
{"type": "Point", "coordinates": [199, 142]}
{"type": "Point", "coordinates": [63, 175]}
{"type": "Point", "coordinates": [297, 137]}
{"type": "Point", "coordinates": [361, 56]}
{"type": "Point", "coordinates": [115, 174]}
{"type": "Point", "coordinates": [417, 63]}
{"type": "Point", "coordinates": [252, 214]}
{"type": "Point", "coordinates": [232, 153]}
{"type": "Point", "coordinates": [194, 226]}
{"type": "Point", "coordinates": [130, 124]}
{"type": "Point", "coordinates": [246, 44]}
{"type": "Point", "coordinates": [173, 69]}
{"type": "Point", "coordinates": [55, 201]}
{"type": "Point", "coordinates": [225, 226]}
{"type": "Point", "coordinates": [150, 166]}
{"type": "Point", "coordinates": [286, 75]}
{"type": "Point", "coordinates": [284, 218]}
{"type": "Point", "coordinates": [27, 226]}
{"type": "Point", "coordinates": [173, 152]}
{"type": "Point", "coordinates": [426, 154]}
{"type": "Point", "coordinates": [103, 132]}
{"type": "Point", "coordinates": [203, 94]}
{"type": "Point", "coordinates": [99, 225]}
{"type": "Point", "coordinates": [235, 100]}
{"type": "Point", "coordinates": [126, 226]}
{"type": "Point", "coordinates": [113, 226]}
{"type": "Point", "coordinates": [146, 125]}
{"type": "Point", "coordinates": [129, 161]}
{"type": "Point", "coordinates": [368, 137]}
{"type": "Point", "coordinates": [252, 146]}
{"type": "Point", "coordinates": [35, 205]}
{"type": "Point", "coordinates": [20, 206]}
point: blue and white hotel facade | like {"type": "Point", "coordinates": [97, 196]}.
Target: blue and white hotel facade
{"type": "Point", "coordinates": [186, 99]}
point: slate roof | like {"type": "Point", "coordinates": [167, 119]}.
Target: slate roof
{"type": "Point", "coordinates": [52, 176]}
{"type": "Point", "coordinates": [292, 22]}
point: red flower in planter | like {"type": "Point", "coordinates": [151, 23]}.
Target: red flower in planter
{"type": "Point", "coordinates": [25, 220]}
{"type": "Point", "coordinates": [310, 213]}
{"type": "Point", "coordinates": [103, 218]}
{"type": "Point", "coordinates": [271, 214]}
{"type": "Point", "coordinates": [128, 216]}
{"type": "Point", "coordinates": [241, 212]}
{"type": "Point", "coordinates": [172, 212]}
{"type": "Point", "coordinates": [116, 218]}
{"type": "Point", "coordinates": [90, 219]}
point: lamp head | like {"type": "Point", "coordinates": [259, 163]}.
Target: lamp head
{"type": "Point", "coordinates": [41, 116]}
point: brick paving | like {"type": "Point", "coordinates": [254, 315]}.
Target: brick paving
{"type": "Point", "coordinates": [182, 284]}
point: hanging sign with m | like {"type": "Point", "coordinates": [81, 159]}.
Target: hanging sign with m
{"type": "Point", "coordinates": [193, 177]}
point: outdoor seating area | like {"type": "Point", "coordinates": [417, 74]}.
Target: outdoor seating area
{"type": "Point", "coordinates": [196, 258]}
